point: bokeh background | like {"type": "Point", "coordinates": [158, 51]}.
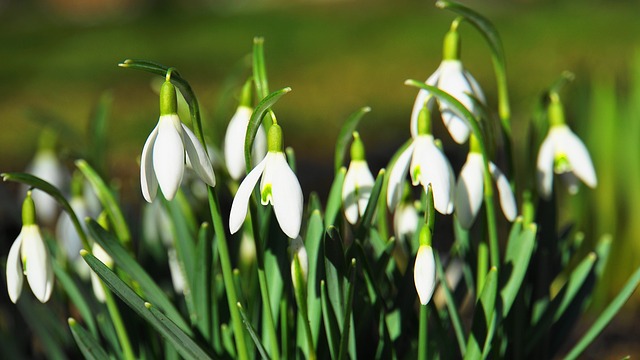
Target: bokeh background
{"type": "Point", "coordinates": [58, 58]}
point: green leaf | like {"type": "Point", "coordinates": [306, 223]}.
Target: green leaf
{"type": "Point", "coordinates": [561, 301]}
{"type": "Point", "coordinates": [202, 281]}
{"type": "Point", "coordinates": [344, 137]}
{"type": "Point", "coordinates": [127, 263]}
{"type": "Point", "coordinates": [259, 67]}
{"type": "Point", "coordinates": [347, 335]}
{"type": "Point", "coordinates": [483, 317]}
{"type": "Point", "coordinates": [334, 200]}
{"type": "Point", "coordinates": [168, 329]}
{"type": "Point", "coordinates": [516, 262]}
{"type": "Point", "coordinates": [256, 119]}
{"type": "Point", "coordinates": [452, 307]}
{"type": "Point", "coordinates": [252, 332]}
{"type": "Point", "coordinates": [335, 271]}
{"type": "Point", "coordinates": [88, 345]}
{"type": "Point", "coordinates": [331, 326]}
{"type": "Point", "coordinates": [313, 241]}
{"type": "Point", "coordinates": [108, 202]}
{"type": "Point", "coordinates": [603, 320]}
{"type": "Point", "coordinates": [76, 297]}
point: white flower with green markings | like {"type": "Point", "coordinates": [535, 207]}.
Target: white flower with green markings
{"type": "Point", "coordinates": [166, 150]}
{"type": "Point", "coordinates": [358, 183]}
{"type": "Point", "coordinates": [470, 188]}
{"type": "Point", "coordinates": [29, 257]}
{"type": "Point", "coordinates": [452, 78]}
{"type": "Point", "coordinates": [424, 269]}
{"type": "Point", "coordinates": [279, 187]}
{"type": "Point", "coordinates": [564, 153]}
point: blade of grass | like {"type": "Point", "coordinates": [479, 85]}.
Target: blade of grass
{"type": "Point", "coordinates": [88, 345]}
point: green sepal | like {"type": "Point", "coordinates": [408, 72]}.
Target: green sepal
{"type": "Point", "coordinates": [451, 45]}
{"type": "Point", "coordinates": [168, 99]}
{"type": "Point", "coordinates": [555, 111]}
{"type": "Point", "coordinates": [274, 138]}
{"type": "Point", "coordinates": [28, 210]}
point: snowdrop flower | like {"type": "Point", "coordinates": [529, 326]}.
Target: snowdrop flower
{"type": "Point", "coordinates": [29, 257]}
{"type": "Point", "coordinates": [427, 165]}
{"type": "Point", "coordinates": [405, 220]}
{"type": "Point", "coordinates": [279, 186]}
{"type": "Point", "coordinates": [235, 137]}
{"type": "Point", "coordinates": [424, 269]}
{"type": "Point", "coordinates": [470, 188]}
{"type": "Point", "coordinates": [358, 183]}
{"type": "Point", "coordinates": [452, 78]}
{"type": "Point", "coordinates": [167, 148]}
{"type": "Point", "coordinates": [564, 153]}
{"type": "Point", "coordinates": [48, 167]}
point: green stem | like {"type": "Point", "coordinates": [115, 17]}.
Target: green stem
{"type": "Point", "coordinates": [482, 268]}
{"type": "Point", "coordinates": [121, 331]}
{"type": "Point", "coordinates": [266, 305]}
{"type": "Point", "coordinates": [422, 333]}
{"type": "Point", "coordinates": [227, 276]}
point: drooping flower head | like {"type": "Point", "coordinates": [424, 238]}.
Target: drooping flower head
{"type": "Point", "coordinates": [358, 182]}
{"type": "Point", "coordinates": [166, 150]}
{"type": "Point", "coordinates": [299, 263]}
{"type": "Point", "coordinates": [564, 153]}
{"type": "Point", "coordinates": [426, 165]}
{"type": "Point", "coordinates": [424, 269]}
{"type": "Point", "coordinates": [470, 188]}
{"type": "Point", "coordinates": [236, 133]}
{"type": "Point", "coordinates": [279, 187]}
{"type": "Point", "coordinates": [452, 78]}
{"type": "Point", "coordinates": [29, 257]}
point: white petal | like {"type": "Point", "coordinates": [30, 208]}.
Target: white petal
{"type": "Point", "coordinates": [405, 220]}
{"type": "Point", "coordinates": [259, 145]}
{"type": "Point", "coordinates": [198, 157]}
{"type": "Point", "coordinates": [234, 142]}
{"type": "Point", "coordinates": [287, 195]}
{"type": "Point", "coordinates": [435, 170]}
{"type": "Point", "coordinates": [397, 175]}
{"type": "Point", "coordinates": [476, 90]}
{"type": "Point", "coordinates": [241, 199]}
{"type": "Point", "coordinates": [469, 190]}
{"type": "Point", "coordinates": [148, 181]}
{"type": "Point", "coordinates": [46, 166]}
{"type": "Point", "coordinates": [507, 200]}
{"type": "Point", "coordinates": [424, 273]}
{"type": "Point", "coordinates": [544, 167]}
{"type": "Point", "coordinates": [356, 190]}
{"type": "Point", "coordinates": [39, 270]}
{"type": "Point", "coordinates": [66, 232]}
{"type": "Point", "coordinates": [168, 155]}
{"type": "Point", "coordinates": [15, 277]}
{"type": "Point", "coordinates": [578, 155]}
{"type": "Point", "coordinates": [453, 81]}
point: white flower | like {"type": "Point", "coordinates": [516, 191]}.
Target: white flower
{"type": "Point", "coordinates": [96, 283]}
{"type": "Point", "coordinates": [356, 190]}
{"type": "Point", "coordinates": [46, 166]}
{"type": "Point", "coordinates": [424, 273]}
{"type": "Point", "coordinates": [563, 152]}
{"type": "Point", "coordinates": [470, 190]}
{"type": "Point", "coordinates": [163, 158]}
{"type": "Point", "coordinates": [426, 165]}
{"type": "Point", "coordinates": [452, 78]}
{"type": "Point", "coordinates": [279, 186]}
{"type": "Point", "coordinates": [234, 143]}
{"type": "Point", "coordinates": [29, 256]}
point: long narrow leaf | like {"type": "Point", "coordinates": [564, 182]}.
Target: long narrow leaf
{"type": "Point", "coordinates": [108, 202]}
{"type": "Point", "coordinates": [88, 345]}
{"type": "Point", "coordinates": [334, 201]}
{"type": "Point", "coordinates": [347, 320]}
{"type": "Point", "coordinates": [483, 317]}
{"type": "Point", "coordinates": [201, 288]}
{"type": "Point", "coordinates": [603, 320]}
{"type": "Point", "coordinates": [76, 297]}
{"type": "Point", "coordinates": [183, 343]}
{"type": "Point", "coordinates": [452, 307]}
{"type": "Point", "coordinates": [517, 257]}
{"type": "Point", "coordinates": [252, 333]}
{"type": "Point", "coordinates": [122, 258]}
{"type": "Point", "coordinates": [330, 323]}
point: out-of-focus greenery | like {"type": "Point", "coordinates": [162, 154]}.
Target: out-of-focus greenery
{"type": "Point", "coordinates": [337, 57]}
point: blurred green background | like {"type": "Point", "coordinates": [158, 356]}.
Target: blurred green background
{"type": "Point", "coordinates": [57, 57]}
